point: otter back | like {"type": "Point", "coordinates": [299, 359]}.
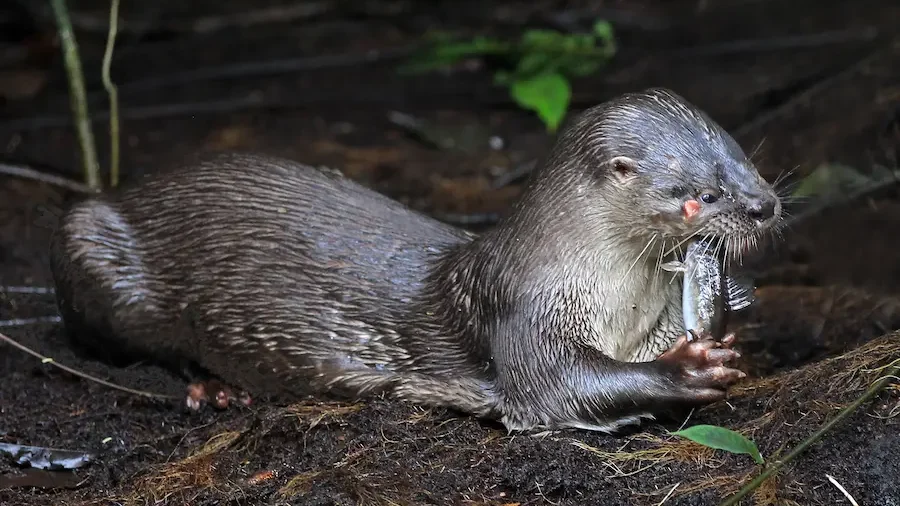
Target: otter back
{"type": "Point", "coordinates": [259, 270]}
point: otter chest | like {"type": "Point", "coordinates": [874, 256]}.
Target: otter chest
{"type": "Point", "coordinates": [622, 319]}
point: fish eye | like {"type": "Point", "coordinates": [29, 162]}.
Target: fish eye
{"type": "Point", "coordinates": [709, 198]}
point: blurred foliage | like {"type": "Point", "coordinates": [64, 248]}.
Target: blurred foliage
{"type": "Point", "coordinates": [536, 69]}
{"type": "Point", "coordinates": [832, 180]}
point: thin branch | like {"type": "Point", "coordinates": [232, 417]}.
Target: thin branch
{"type": "Point", "coordinates": [113, 95]}
{"type": "Point", "coordinates": [277, 14]}
{"type": "Point", "coordinates": [230, 105]}
{"type": "Point", "coordinates": [36, 175]}
{"type": "Point", "coordinates": [806, 95]}
{"type": "Point", "coordinates": [24, 322]}
{"type": "Point", "coordinates": [234, 71]}
{"type": "Point", "coordinates": [77, 94]}
{"type": "Point", "coordinates": [276, 67]}
{"type": "Point", "coordinates": [790, 42]}
{"type": "Point", "coordinates": [27, 289]}
{"type": "Point", "coordinates": [517, 173]}
{"type": "Point", "coordinates": [890, 373]}
{"type": "Point", "coordinates": [825, 204]}
{"type": "Point", "coordinates": [48, 360]}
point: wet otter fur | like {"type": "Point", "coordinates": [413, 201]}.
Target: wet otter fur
{"type": "Point", "coordinates": [280, 278]}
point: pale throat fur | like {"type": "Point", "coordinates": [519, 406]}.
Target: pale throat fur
{"type": "Point", "coordinates": [590, 268]}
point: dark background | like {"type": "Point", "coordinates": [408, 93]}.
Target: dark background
{"type": "Point", "coordinates": [799, 83]}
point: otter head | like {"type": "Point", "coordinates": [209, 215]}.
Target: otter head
{"type": "Point", "coordinates": [670, 172]}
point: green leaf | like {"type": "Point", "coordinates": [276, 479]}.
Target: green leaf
{"type": "Point", "coordinates": [603, 30]}
{"type": "Point", "coordinates": [542, 39]}
{"type": "Point", "coordinates": [533, 63]}
{"type": "Point", "coordinates": [547, 94]}
{"type": "Point", "coordinates": [721, 438]}
{"type": "Point", "coordinates": [503, 78]}
{"type": "Point", "coordinates": [583, 68]}
{"type": "Point", "coordinates": [583, 41]}
{"type": "Point", "coordinates": [445, 52]}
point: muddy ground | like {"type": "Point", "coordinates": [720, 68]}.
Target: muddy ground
{"type": "Point", "coordinates": [829, 293]}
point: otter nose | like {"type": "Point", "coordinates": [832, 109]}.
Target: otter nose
{"type": "Point", "coordinates": [762, 208]}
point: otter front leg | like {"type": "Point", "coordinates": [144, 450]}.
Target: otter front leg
{"type": "Point", "coordinates": [577, 386]}
{"type": "Point", "coordinates": [702, 367]}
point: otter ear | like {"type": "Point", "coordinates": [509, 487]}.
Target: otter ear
{"type": "Point", "coordinates": [624, 169]}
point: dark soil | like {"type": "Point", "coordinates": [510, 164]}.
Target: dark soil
{"type": "Point", "coordinates": [830, 289]}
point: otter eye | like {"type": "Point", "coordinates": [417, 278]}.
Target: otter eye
{"type": "Point", "coordinates": [709, 198]}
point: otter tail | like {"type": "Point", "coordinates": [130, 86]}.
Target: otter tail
{"type": "Point", "coordinates": [99, 279]}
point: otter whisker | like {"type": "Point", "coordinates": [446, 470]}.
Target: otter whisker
{"type": "Point", "coordinates": [706, 245]}
{"type": "Point", "coordinates": [641, 254]}
{"type": "Point", "coordinates": [659, 260]}
{"type": "Point", "coordinates": [783, 224]}
{"type": "Point", "coordinates": [786, 193]}
{"type": "Point", "coordinates": [730, 247]}
{"type": "Point", "coordinates": [686, 239]}
{"type": "Point", "coordinates": [723, 243]}
{"type": "Point", "coordinates": [744, 242]}
{"type": "Point", "coordinates": [757, 148]}
{"type": "Point", "coordinates": [735, 244]}
{"type": "Point", "coordinates": [783, 175]}
{"type": "Point", "coordinates": [775, 231]}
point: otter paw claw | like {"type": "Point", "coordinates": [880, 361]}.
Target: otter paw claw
{"type": "Point", "coordinates": [729, 340]}
{"type": "Point", "coordinates": [215, 393]}
{"type": "Point", "coordinates": [702, 363]}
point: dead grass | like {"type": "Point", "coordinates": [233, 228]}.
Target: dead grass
{"type": "Point", "coordinates": [851, 371]}
{"type": "Point", "coordinates": [727, 484]}
{"type": "Point", "coordinates": [185, 477]}
{"type": "Point", "coordinates": [804, 398]}
{"type": "Point", "coordinates": [724, 483]}
{"type": "Point", "coordinates": [798, 403]}
{"type": "Point", "coordinates": [299, 485]}
{"type": "Point", "coordinates": [662, 450]}
{"type": "Point", "coordinates": [315, 413]}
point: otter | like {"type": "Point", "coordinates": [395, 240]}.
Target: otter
{"type": "Point", "coordinates": [277, 278]}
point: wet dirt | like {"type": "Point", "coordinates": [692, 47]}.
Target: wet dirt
{"type": "Point", "coordinates": [831, 286]}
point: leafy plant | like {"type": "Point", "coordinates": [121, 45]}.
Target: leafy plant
{"type": "Point", "coordinates": [721, 438]}
{"type": "Point", "coordinates": [536, 69]}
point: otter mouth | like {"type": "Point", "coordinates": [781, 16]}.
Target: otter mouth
{"type": "Point", "coordinates": [729, 247]}
{"type": "Point", "coordinates": [731, 236]}
{"type": "Point", "coordinates": [732, 247]}
{"type": "Point", "coordinates": [736, 236]}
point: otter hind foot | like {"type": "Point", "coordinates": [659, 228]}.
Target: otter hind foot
{"type": "Point", "coordinates": [214, 393]}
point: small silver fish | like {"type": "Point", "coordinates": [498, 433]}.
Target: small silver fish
{"type": "Point", "coordinates": [708, 293]}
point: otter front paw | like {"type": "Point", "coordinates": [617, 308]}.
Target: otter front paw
{"type": "Point", "coordinates": [213, 392]}
{"type": "Point", "coordinates": [700, 365]}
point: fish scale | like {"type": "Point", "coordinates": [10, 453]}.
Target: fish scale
{"type": "Point", "coordinates": [709, 294]}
